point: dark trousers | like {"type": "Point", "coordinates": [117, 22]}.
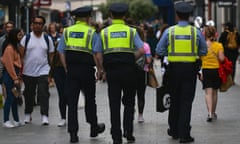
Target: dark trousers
{"type": "Point", "coordinates": [41, 84]}
{"type": "Point", "coordinates": [232, 55]}
{"type": "Point", "coordinates": [80, 78]}
{"type": "Point", "coordinates": [182, 85]}
{"type": "Point", "coordinates": [141, 89]}
{"type": "Point", "coordinates": [59, 76]}
{"type": "Point", "coordinates": [121, 87]}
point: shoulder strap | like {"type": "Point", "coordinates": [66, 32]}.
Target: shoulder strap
{"type": "Point", "coordinates": [47, 41]}
{"type": "Point", "coordinates": [26, 42]}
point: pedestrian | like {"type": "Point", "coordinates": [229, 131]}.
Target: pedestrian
{"type": "Point", "coordinates": [12, 63]}
{"type": "Point", "coordinates": [230, 50]}
{"type": "Point", "coordinates": [37, 48]}
{"type": "Point", "coordinates": [57, 72]}
{"type": "Point", "coordinates": [121, 46]}
{"type": "Point", "coordinates": [210, 76]}
{"type": "Point", "coordinates": [7, 27]}
{"type": "Point", "coordinates": [182, 43]}
{"type": "Point", "coordinates": [77, 53]}
{"type": "Point", "coordinates": [141, 73]}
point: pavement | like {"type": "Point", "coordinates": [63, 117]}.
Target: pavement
{"type": "Point", "coordinates": [226, 130]}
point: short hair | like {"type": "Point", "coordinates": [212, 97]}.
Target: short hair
{"type": "Point", "coordinates": [183, 16]}
{"type": "Point", "coordinates": [41, 17]}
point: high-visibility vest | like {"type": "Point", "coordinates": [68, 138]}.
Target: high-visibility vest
{"type": "Point", "coordinates": [79, 37]}
{"type": "Point", "coordinates": [118, 38]}
{"type": "Point", "coordinates": [182, 44]}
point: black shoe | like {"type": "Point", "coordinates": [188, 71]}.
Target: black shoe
{"type": "Point", "coordinates": [95, 130]}
{"type": "Point", "coordinates": [186, 140]}
{"type": "Point", "coordinates": [130, 138]}
{"type": "Point", "coordinates": [175, 137]}
{"type": "Point", "coordinates": [73, 138]}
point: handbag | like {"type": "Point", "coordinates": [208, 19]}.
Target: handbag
{"type": "Point", "coordinates": [162, 99]}
{"type": "Point", "coordinates": [225, 86]}
{"type": "Point", "coordinates": [151, 78]}
{"type": "Point", "coordinates": [225, 74]}
{"type": "Point", "coordinates": [141, 62]}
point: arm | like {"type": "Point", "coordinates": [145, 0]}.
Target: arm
{"type": "Point", "coordinates": [98, 56]}
{"type": "Point", "coordinates": [162, 46]}
{"type": "Point", "coordinates": [8, 62]}
{"type": "Point", "coordinates": [221, 54]}
{"type": "Point", "coordinates": [60, 48]}
{"type": "Point", "coordinates": [139, 46]}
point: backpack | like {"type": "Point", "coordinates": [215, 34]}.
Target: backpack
{"type": "Point", "coordinates": [28, 36]}
{"type": "Point", "coordinates": [232, 40]}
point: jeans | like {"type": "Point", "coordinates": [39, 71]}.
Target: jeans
{"type": "Point", "coordinates": [10, 101]}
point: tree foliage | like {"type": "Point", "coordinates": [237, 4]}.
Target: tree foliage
{"type": "Point", "coordinates": [141, 9]}
{"type": "Point", "coordinates": [138, 9]}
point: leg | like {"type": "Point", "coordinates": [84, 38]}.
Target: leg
{"type": "Point", "coordinates": [43, 91]}
{"type": "Point", "coordinates": [59, 78]}
{"type": "Point", "coordinates": [29, 93]}
{"type": "Point", "coordinates": [209, 100]}
{"type": "Point", "coordinates": [215, 99]}
{"type": "Point", "coordinates": [114, 94]}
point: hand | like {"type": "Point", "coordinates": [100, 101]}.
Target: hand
{"type": "Point", "coordinates": [200, 76]}
{"type": "Point", "coordinates": [17, 82]}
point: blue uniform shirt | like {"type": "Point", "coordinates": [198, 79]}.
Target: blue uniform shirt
{"type": "Point", "coordinates": [61, 45]}
{"type": "Point", "coordinates": [162, 46]}
{"type": "Point", "coordinates": [138, 43]}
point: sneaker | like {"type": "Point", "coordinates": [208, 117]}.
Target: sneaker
{"type": "Point", "coordinates": [209, 118]}
{"type": "Point", "coordinates": [140, 118]}
{"type": "Point", "coordinates": [62, 123]}
{"type": "Point", "coordinates": [214, 116]}
{"type": "Point", "coordinates": [8, 124]}
{"type": "Point", "coordinates": [17, 124]}
{"type": "Point", "coordinates": [45, 120]}
{"type": "Point", "coordinates": [27, 119]}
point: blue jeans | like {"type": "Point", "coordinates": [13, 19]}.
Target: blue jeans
{"type": "Point", "coordinates": [10, 101]}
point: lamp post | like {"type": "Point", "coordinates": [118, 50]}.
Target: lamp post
{"type": "Point", "coordinates": [27, 4]}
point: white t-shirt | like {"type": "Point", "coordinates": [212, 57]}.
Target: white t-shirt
{"type": "Point", "coordinates": [35, 62]}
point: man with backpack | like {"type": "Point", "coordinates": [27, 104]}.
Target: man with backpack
{"type": "Point", "coordinates": [231, 41]}
{"type": "Point", "coordinates": [35, 51]}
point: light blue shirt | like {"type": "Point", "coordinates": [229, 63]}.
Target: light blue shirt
{"type": "Point", "coordinates": [162, 46]}
{"type": "Point", "coordinates": [62, 45]}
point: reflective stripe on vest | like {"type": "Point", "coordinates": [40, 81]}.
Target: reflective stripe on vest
{"type": "Point", "coordinates": [79, 39]}
{"type": "Point", "coordinates": [182, 46]}
{"type": "Point", "coordinates": [116, 39]}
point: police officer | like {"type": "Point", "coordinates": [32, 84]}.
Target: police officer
{"type": "Point", "coordinates": [77, 56]}
{"type": "Point", "coordinates": [121, 46]}
{"type": "Point", "coordinates": [182, 43]}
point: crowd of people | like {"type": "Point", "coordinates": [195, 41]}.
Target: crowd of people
{"type": "Point", "coordinates": [74, 57]}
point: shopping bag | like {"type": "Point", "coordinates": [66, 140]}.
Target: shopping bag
{"type": "Point", "coordinates": [151, 78]}
{"type": "Point", "coordinates": [162, 99]}
{"type": "Point", "coordinates": [158, 71]}
{"type": "Point", "coordinates": [225, 86]}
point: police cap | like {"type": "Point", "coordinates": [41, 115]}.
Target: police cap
{"type": "Point", "coordinates": [118, 8]}
{"type": "Point", "coordinates": [183, 7]}
{"type": "Point", "coordinates": [82, 11]}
